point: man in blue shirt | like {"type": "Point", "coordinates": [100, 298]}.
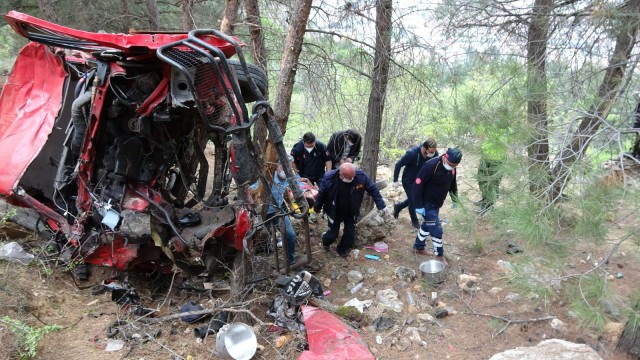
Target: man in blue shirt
{"type": "Point", "coordinates": [310, 158]}
{"type": "Point", "coordinates": [436, 178]}
{"type": "Point", "coordinates": [412, 161]}
{"type": "Point", "coordinates": [341, 193]}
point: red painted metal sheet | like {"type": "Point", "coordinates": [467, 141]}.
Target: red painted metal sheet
{"type": "Point", "coordinates": [331, 339]}
{"type": "Point", "coordinates": [132, 44]}
{"type": "Point", "coordinates": [29, 104]}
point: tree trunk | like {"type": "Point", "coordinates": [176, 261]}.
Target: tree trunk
{"type": "Point", "coordinates": [187, 15]}
{"type": "Point", "coordinates": [126, 11]}
{"type": "Point", "coordinates": [154, 15]}
{"type": "Point", "coordinates": [538, 148]}
{"type": "Point", "coordinates": [48, 11]}
{"type": "Point", "coordinates": [599, 110]}
{"type": "Point", "coordinates": [379, 81]}
{"type": "Point", "coordinates": [228, 25]}
{"type": "Point", "coordinates": [289, 65]}
{"type": "Point", "coordinates": [259, 52]}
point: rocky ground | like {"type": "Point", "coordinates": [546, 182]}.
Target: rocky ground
{"type": "Point", "coordinates": [473, 314]}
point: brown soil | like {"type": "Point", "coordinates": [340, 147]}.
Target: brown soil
{"type": "Point", "coordinates": [45, 294]}
{"type": "Point", "coordinates": [28, 294]}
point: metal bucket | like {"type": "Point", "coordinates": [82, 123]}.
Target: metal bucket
{"type": "Point", "coordinates": [236, 341]}
{"type": "Point", "coordinates": [433, 271]}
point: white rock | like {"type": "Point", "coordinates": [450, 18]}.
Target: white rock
{"type": "Point", "coordinates": [388, 298]}
{"type": "Point", "coordinates": [558, 325]}
{"type": "Point", "coordinates": [553, 349]}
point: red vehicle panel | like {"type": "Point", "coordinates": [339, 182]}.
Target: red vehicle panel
{"type": "Point", "coordinates": [29, 104]}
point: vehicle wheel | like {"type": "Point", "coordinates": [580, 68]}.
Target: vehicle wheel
{"type": "Point", "coordinates": [258, 76]}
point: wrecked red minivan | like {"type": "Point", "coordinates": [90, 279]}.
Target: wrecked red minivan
{"type": "Point", "coordinates": [128, 146]}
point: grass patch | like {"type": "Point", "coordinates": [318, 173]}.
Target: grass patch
{"type": "Point", "coordinates": [28, 337]}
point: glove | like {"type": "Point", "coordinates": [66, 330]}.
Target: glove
{"type": "Point", "coordinates": [395, 184]}
{"type": "Point", "coordinates": [421, 211]}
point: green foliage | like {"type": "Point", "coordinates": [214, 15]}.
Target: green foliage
{"type": "Point", "coordinates": [587, 299]}
{"type": "Point", "coordinates": [28, 336]}
{"type": "Point", "coordinates": [8, 216]}
{"type": "Point", "coordinates": [528, 219]}
{"type": "Point", "coordinates": [596, 205]}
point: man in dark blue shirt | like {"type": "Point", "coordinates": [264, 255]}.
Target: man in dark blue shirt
{"type": "Point", "coordinates": [412, 161]}
{"type": "Point", "coordinates": [436, 178]}
{"type": "Point", "coordinates": [310, 158]}
{"type": "Point", "coordinates": [341, 193]}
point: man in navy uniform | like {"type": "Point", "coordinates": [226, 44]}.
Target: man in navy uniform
{"type": "Point", "coordinates": [412, 161]}
{"type": "Point", "coordinates": [436, 178]}
{"type": "Point", "coordinates": [310, 158]}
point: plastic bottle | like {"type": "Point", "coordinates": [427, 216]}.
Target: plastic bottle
{"type": "Point", "coordinates": [356, 288]}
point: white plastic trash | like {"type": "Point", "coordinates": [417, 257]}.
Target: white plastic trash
{"type": "Point", "coordinates": [236, 341]}
{"type": "Point", "coordinates": [14, 252]}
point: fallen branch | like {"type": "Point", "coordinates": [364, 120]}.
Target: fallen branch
{"type": "Point", "coordinates": [229, 308]}
{"type": "Point", "coordinates": [202, 312]}
{"type": "Point", "coordinates": [510, 321]}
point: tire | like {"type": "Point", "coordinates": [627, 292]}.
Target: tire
{"type": "Point", "coordinates": [257, 74]}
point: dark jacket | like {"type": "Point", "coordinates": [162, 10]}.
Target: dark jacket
{"type": "Point", "coordinates": [328, 191]}
{"type": "Point", "coordinates": [433, 183]}
{"type": "Point", "coordinates": [412, 162]}
{"type": "Point", "coordinates": [336, 146]}
{"type": "Point", "coordinates": [310, 165]}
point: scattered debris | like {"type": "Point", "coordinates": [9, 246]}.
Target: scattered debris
{"type": "Point", "coordinates": [189, 307]}
{"type": "Point", "coordinates": [213, 326]}
{"type": "Point", "coordinates": [513, 248]}
{"type": "Point", "coordinates": [357, 287]}
{"type": "Point", "coordinates": [114, 345]}
{"type": "Point", "coordinates": [379, 246]}
{"type": "Point", "coordinates": [360, 305]}
{"type": "Point", "coordinates": [236, 341]}
{"type": "Point", "coordinates": [330, 338]}
{"type": "Point", "coordinates": [14, 252]}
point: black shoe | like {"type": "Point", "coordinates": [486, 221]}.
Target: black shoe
{"type": "Point", "coordinates": [415, 223]}
{"type": "Point", "coordinates": [396, 211]}
{"type": "Point", "coordinates": [326, 248]}
{"type": "Point", "coordinates": [343, 255]}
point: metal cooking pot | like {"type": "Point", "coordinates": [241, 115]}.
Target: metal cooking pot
{"type": "Point", "coordinates": [433, 271]}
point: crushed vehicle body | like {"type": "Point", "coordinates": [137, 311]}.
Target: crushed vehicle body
{"type": "Point", "coordinates": [130, 146]}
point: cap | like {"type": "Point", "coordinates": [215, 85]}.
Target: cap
{"type": "Point", "coordinates": [454, 155]}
